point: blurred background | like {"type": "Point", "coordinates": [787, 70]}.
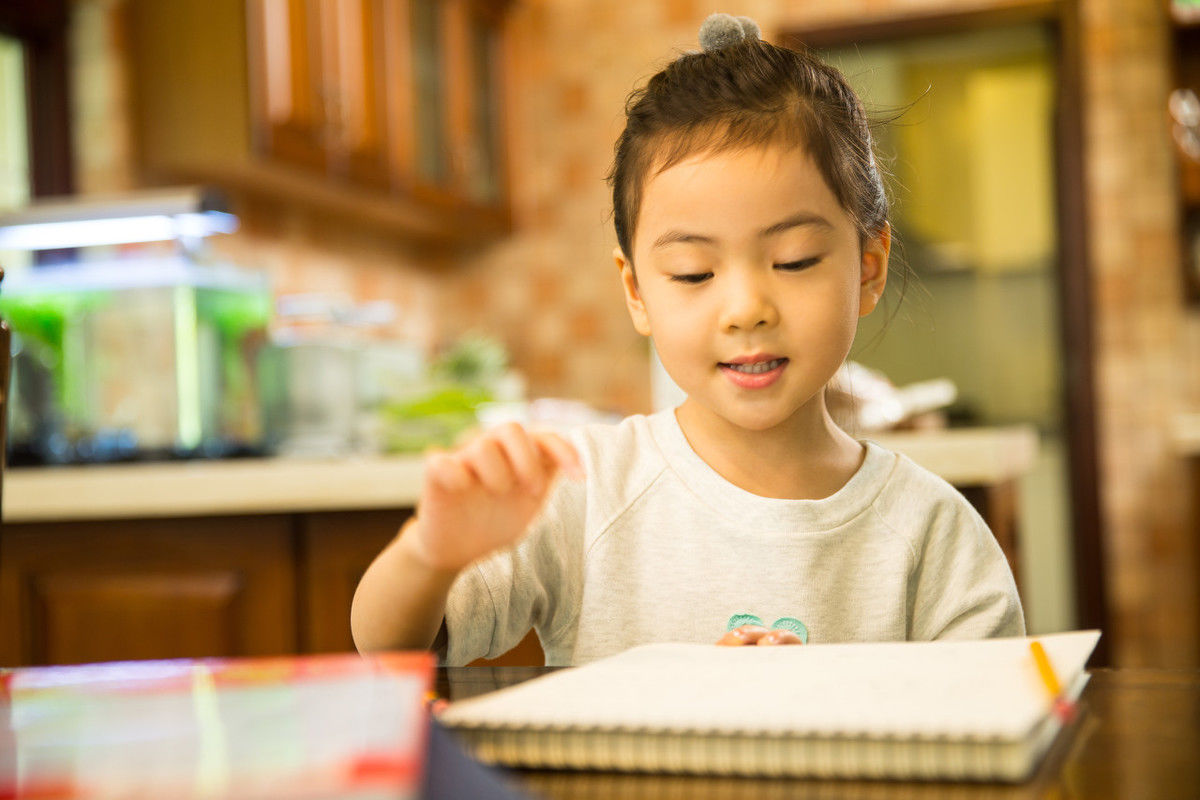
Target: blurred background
{"type": "Point", "coordinates": [389, 223]}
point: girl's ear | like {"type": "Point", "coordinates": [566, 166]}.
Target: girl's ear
{"type": "Point", "coordinates": [874, 270]}
{"type": "Point", "coordinates": [633, 297]}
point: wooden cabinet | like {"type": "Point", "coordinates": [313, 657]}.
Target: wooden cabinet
{"type": "Point", "coordinates": [104, 590]}
{"type": "Point", "coordinates": [293, 77]}
{"type": "Point", "coordinates": [336, 549]}
{"type": "Point", "coordinates": [385, 112]}
{"type": "Point", "coordinates": [1184, 109]}
{"type": "Point", "coordinates": [111, 590]}
{"type": "Point", "coordinates": [320, 86]}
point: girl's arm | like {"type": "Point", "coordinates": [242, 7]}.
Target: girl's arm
{"type": "Point", "coordinates": [474, 500]}
{"type": "Point", "coordinates": [400, 600]}
{"type": "Point", "coordinates": [962, 587]}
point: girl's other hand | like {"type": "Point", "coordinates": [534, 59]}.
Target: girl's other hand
{"type": "Point", "coordinates": [758, 635]}
{"type": "Point", "coordinates": [483, 495]}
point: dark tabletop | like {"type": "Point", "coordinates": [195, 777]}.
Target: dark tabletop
{"type": "Point", "coordinates": [1137, 736]}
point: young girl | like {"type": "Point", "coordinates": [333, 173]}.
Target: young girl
{"type": "Point", "coordinates": [752, 234]}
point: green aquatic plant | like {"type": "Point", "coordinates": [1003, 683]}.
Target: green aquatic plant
{"type": "Point", "coordinates": [438, 412]}
{"type": "Point", "coordinates": [239, 317]}
{"type": "Point", "coordinates": [474, 359]}
{"type": "Point", "coordinates": [437, 418]}
{"type": "Point", "coordinates": [53, 321]}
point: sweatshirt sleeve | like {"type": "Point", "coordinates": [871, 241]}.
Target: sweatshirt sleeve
{"type": "Point", "coordinates": [534, 584]}
{"type": "Point", "coordinates": [961, 586]}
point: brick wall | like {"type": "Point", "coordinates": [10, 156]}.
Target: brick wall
{"type": "Point", "coordinates": [1146, 340]}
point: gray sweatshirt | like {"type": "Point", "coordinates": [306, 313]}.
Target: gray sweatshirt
{"type": "Point", "coordinates": [656, 546]}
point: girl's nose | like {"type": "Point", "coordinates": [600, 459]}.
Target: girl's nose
{"type": "Point", "coordinates": [748, 304]}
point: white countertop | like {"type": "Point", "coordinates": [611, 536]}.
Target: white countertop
{"type": "Point", "coordinates": [968, 456]}
{"type": "Point", "coordinates": [201, 488]}
{"type": "Point", "coordinates": [964, 457]}
{"type": "Point", "coordinates": [1185, 433]}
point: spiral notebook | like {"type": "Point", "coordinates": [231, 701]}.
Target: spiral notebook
{"type": "Point", "coordinates": [955, 710]}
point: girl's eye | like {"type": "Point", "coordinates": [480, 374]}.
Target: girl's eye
{"type": "Point", "coordinates": [692, 277]}
{"type": "Point", "coordinates": [796, 266]}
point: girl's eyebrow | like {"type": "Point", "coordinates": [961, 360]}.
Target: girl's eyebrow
{"type": "Point", "coordinates": [794, 221]}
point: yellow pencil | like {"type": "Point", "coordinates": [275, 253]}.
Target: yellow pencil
{"type": "Point", "coordinates": [1063, 708]}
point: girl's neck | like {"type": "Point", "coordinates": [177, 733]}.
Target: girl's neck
{"type": "Point", "coordinates": [806, 458]}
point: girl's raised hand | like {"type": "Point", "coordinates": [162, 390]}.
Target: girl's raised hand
{"type": "Point", "coordinates": [483, 495]}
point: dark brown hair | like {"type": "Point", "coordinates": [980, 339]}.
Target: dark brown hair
{"type": "Point", "coordinates": [745, 95]}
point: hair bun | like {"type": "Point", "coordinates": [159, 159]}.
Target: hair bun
{"type": "Point", "coordinates": [723, 30]}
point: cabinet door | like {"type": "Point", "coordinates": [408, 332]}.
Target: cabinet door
{"type": "Point", "coordinates": [337, 547]}
{"type": "Point", "coordinates": [115, 590]}
{"type": "Point", "coordinates": [318, 72]}
{"type": "Point", "coordinates": [287, 59]}
{"type": "Point", "coordinates": [457, 60]}
{"type": "Point", "coordinates": [477, 67]}
{"type": "Point", "coordinates": [354, 85]}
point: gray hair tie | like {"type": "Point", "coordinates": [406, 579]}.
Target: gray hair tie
{"type": "Point", "coordinates": [723, 30]}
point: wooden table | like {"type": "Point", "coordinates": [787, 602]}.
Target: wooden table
{"type": "Point", "coordinates": [1138, 736]}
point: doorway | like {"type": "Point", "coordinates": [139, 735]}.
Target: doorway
{"type": "Point", "coordinates": [987, 191]}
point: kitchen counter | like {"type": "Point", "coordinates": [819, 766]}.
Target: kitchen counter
{"type": "Point", "coordinates": [1185, 434]}
{"type": "Point", "coordinates": [968, 456]}
{"type": "Point", "coordinates": [191, 488]}
{"type": "Point", "coordinates": [260, 557]}
{"type": "Point", "coordinates": [964, 457]}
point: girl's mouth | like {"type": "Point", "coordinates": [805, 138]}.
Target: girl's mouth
{"type": "Point", "coordinates": [754, 374]}
{"type": "Point", "coordinates": [756, 367]}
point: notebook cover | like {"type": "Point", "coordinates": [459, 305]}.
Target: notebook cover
{"type": "Point", "coordinates": [305, 727]}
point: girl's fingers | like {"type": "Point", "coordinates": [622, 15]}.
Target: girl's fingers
{"type": "Point", "coordinates": [446, 471]}
{"type": "Point", "coordinates": [779, 636]}
{"type": "Point", "coordinates": [522, 454]}
{"type": "Point", "coordinates": [746, 634]}
{"type": "Point", "coordinates": [485, 459]}
{"type": "Point", "coordinates": [561, 453]}
{"type": "Point", "coordinates": [502, 457]}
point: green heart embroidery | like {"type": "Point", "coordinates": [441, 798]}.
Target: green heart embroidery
{"type": "Point", "coordinates": [738, 620]}
{"type": "Point", "coordinates": [783, 623]}
{"type": "Point", "coordinates": [792, 624]}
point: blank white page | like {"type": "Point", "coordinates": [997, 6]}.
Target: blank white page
{"type": "Point", "coordinates": [987, 689]}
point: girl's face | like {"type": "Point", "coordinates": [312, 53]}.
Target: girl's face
{"type": "Point", "coordinates": [750, 279]}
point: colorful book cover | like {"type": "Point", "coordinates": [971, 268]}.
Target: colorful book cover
{"type": "Point", "coordinates": [298, 727]}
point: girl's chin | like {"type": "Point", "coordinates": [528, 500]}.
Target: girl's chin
{"type": "Point", "coordinates": [754, 421]}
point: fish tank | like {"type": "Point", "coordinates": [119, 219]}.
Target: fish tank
{"type": "Point", "coordinates": [146, 357]}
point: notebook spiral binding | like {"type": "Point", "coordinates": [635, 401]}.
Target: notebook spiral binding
{"type": "Point", "coordinates": [715, 753]}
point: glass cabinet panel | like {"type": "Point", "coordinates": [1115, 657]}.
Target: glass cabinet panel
{"type": "Point", "coordinates": [295, 102]}
{"type": "Point", "coordinates": [484, 166]}
{"type": "Point", "coordinates": [14, 144]}
{"type": "Point", "coordinates": [429, 75]}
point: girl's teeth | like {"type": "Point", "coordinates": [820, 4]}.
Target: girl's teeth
{"type": "Point", "coordinates": [757, 367]}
